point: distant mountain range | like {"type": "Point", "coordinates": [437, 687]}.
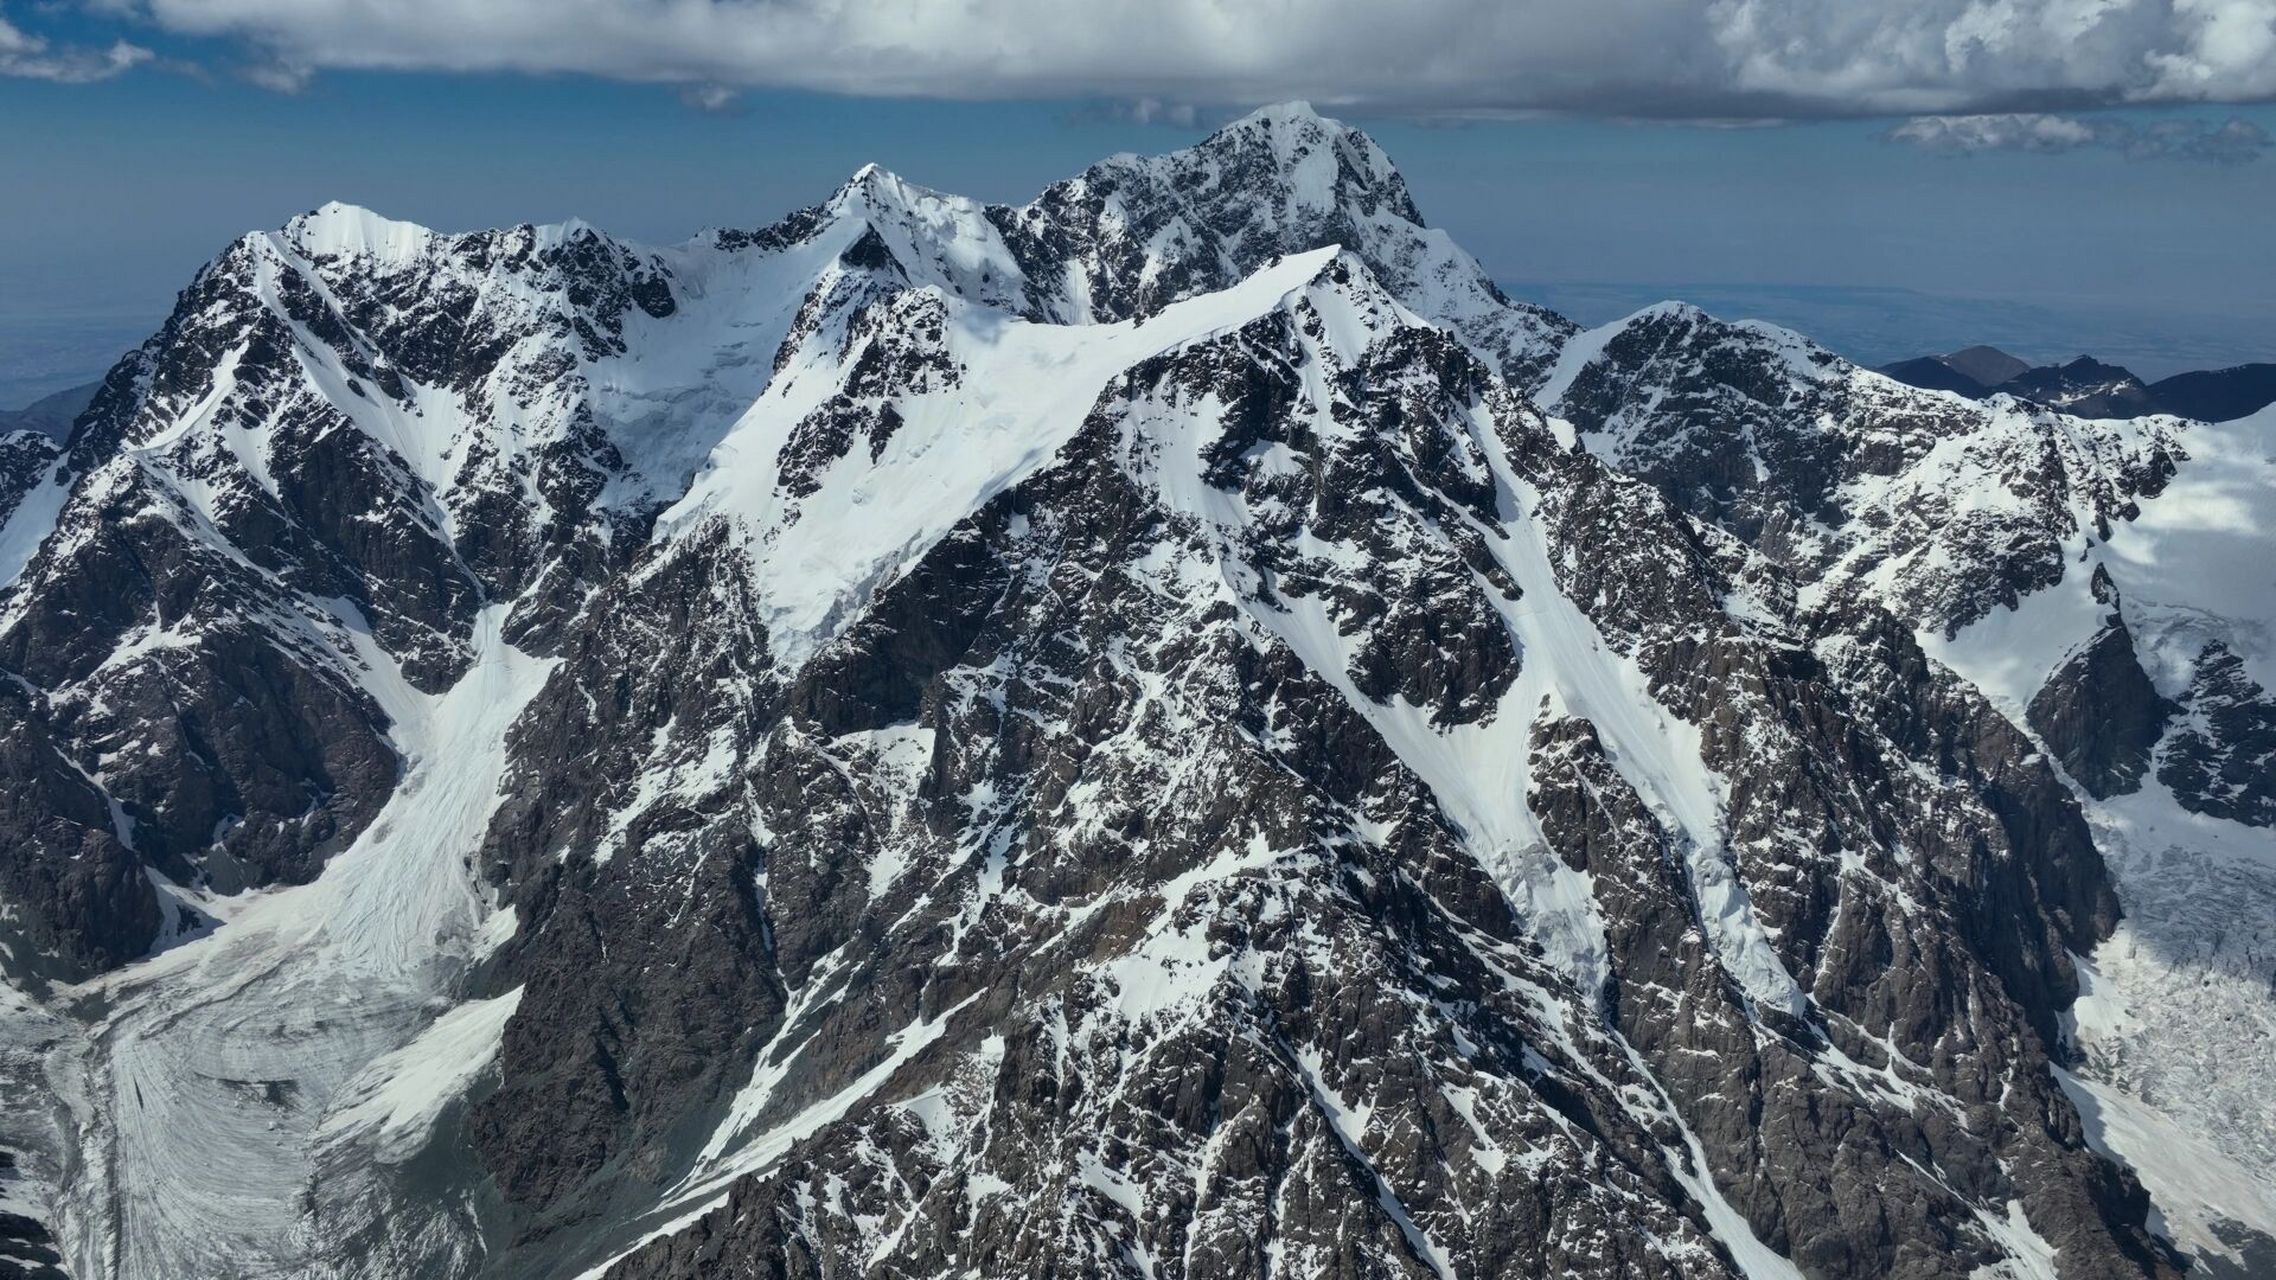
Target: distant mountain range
{"type": "Point", "coordinates": [2091, 389]}
{"type": "Point", "coordinates": [50, 415]}
{"type": "Point", "coordinates": [2154, 337]}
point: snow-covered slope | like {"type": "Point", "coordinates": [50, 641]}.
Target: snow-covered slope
{"type": "Point", "coordinates": [1166, 730]}
{"type": "Point", "coordinates": [837, 478]}
{"type": "Point", "coordinates": [2106, 584]}
{"type": "Point", "coordinates": [2181, 991]}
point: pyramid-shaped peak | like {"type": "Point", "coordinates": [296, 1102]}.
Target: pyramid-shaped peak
{"type": "Point", "coordinates": [876, 186]}
{"type": "Point", "coordinates": [872, 176]}
{"type": "Point", "coordinates": [1291, 151]}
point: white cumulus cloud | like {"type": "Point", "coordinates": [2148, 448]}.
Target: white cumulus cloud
{"type": "Point", "coordinates": [1685, 59]}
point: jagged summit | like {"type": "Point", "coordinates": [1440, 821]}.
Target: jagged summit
{"type": "Point", "coordinates": [338, 229]}
{"type": "Point", "coordinates": [1128, 236]}
{"type": "Point", "coordinates": [1325, 161]}
{"type": "Point", "coordinates": [1168, 730]}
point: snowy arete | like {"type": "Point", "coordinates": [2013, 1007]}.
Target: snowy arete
{"type": "Point", "coordinates": [1169, 731]}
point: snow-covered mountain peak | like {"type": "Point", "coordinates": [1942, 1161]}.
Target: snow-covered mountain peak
{"type": "Point", "coordinates": [1941, 507]}
{"type": "Point", "coordinates": [1289, 113]}
{"type": "Point", "coordinates": [932, 237]}
{"type": "Point", "coordinates": [929, 736]}
{"type": "Point", "coordinates": [1322, 163]}
{"type": "Point", "coordinates": [874, 186]}
{"type": "Point", "coordinates": [347, 238]}
{"type": "Point", "coordinates": [897, 419]}
{"type": "Point", "coordinates": [336, 229]}
{"type": "Point", "coordinates": [1277, 173]}
{"type": "Point", "coordinates": [1135, 232]}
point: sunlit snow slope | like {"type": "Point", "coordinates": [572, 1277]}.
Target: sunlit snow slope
{"type": "Point", "coordinates": [1166, 731]}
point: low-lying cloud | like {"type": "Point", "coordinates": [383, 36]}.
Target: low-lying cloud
{"type": "Point", "coordinates": [2232, 141]}
{"type": "Point", "coordinates": [1676, 59]}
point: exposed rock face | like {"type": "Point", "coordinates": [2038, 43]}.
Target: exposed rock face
{"type": "Point", "coordinates": [1247, 1050]}
{"type": "Point", "coordinates": [27, 1248]}
{"type": "Point", "coordinates": [2100, 711]}
{"type": "Point", "coordinates": [63, 852]}
{"type": "Point", "coordinates": [1943, 509]}
{"type": "Point", "coordinates": [26, 458]}
{"type": "Point", "coordinates": [1278, 182]}
{"type": "Point", "coordinates": [1707, 1047]}
{"type": "Point", "coordinates": [2221, 759]}
{"type": "Point", "coordinates": [1111, 737]}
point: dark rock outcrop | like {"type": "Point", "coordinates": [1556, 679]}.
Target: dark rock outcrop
{"type": "Point", "coordinates": [2221, 756]}
{"type": "Point", "coordinates": [2099, 710]}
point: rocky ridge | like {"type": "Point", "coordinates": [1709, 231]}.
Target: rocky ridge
{"type": "Point", "coordinates": [1171, 728]}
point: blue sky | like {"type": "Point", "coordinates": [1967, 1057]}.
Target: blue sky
{"type": "Point", "coordinates": [2088, 238]}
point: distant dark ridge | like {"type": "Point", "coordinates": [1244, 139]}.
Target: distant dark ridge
{"type": "Point", "coordinates": [50, 415]}
{"type": "Point", "coordinates": [1932, 373]}
{"type": "Point", "coordinates": [2217, 395]}
{"type": "Point", "coordinates": [2091, 389]}
{"type": "Point", "coordinates": [2086, 387]}
{"type": "Point", "coordinates": [1986, 366]}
